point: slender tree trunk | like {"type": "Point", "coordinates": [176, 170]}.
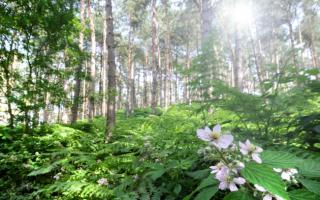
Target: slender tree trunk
{"type": "Point", "coordinates": [112, 87]}
{"type": "Point", "coordinates": [92, 63]}
{"type": "Point", "coordinates": [314, 51]}
{"type": "Point", "coordinates": [145, 84]}
{"type": "Point", "coordinates": [186, 78]}
{"type": "Point", "coordinates": [77, 89]}
{"type": "Point", "coordinates": [155, 64]}
{"type": "Point", "coordinates": [105, 68]}
{"type": "Point", "coordinates": [206, 22]}
{"type": "Point", "coordinates": [131, 74]}
{"type": "Point", "coordinates": [167, 71]}
{"type": "Point", "coordinates": [237, 61]}
{"type": "Point", "coordinates": [293, 47]}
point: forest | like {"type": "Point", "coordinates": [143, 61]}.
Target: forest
{"type": "Point", "coordinates": [160, 99]}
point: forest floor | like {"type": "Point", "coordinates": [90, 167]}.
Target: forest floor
{"type": "Point", "coordinates": [149, 157]}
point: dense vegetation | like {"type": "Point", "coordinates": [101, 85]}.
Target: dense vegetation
{"type": "Point", "coordinates": [150, 99]}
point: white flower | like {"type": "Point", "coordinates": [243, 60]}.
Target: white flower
{"type": "Point", "coordinates": [215, 137]}
{"type": "Point", "coordinates": [220, 170]}
{"type": "Point", "coordinates": [57, 176]}
{"type": "Point", "coordinates": [230, 183]}
{"type": "Point", "coordinates": [102, 181]}
{"type": "Point", "coordinates": [251, 149]}
{"type": "Point", "coordinates": [286, 174]}
{"type": "Point", "coordinates": [267, 196]}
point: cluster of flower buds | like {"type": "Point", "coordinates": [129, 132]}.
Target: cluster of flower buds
{"type": "Point", "coordinates": [227, 171]}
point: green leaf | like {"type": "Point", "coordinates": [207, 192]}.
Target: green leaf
{"type": "Point", "coordinates": [239, 195]}
{"type": "Point", "coordinates": [279, 159]}
{"type": "Point", "coordinates": [302, 194]}
{"type": "Point", "coordinates": [264, 176]}
{"type": "Point", "coordinates": [311, 185]}
{"type": "Point", "coordinates": [177, 189]}
{"type": "Point", "coordinates": [41, 171]}
{"type": "Point", "coordinates": [207, 193]}
{"type": "Point", "coordinates": [154, 175]}
{"type": "Point", "coordinates": [200, 174]}
{"type": "Point", "coordinates": [207, 182]}
{"type": "Point", "coordinates": [310, 168]}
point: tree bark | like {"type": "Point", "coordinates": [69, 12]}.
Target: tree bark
{"type": "Point", "coordinates": [105, 68]}
{"type": "Point", "coordinates": [77, 89]}
{"type": "Point", "coordinates": [155, 64]}
{"type": "Point", "coordinates": [112, 87]}
{"type": "Point", "coordinates": [237, 61]}
{"type": "Point", "coordinates": [92, 63]}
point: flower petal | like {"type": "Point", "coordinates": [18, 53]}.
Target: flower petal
{"type": "Point", "coordinates": [243, 148]}
{"type": "Point", "coordinates": [277, 170]}
{"type": "Point", "coordinates": [285, 176]}
{"type": "Point", "coordinates": [217, 128]}
{"type": "Point", "coordinates": [213, 169]}
{"type": "Point", "coordinates": [267, 197]}
{"type": "Point", "coordinates": [233, 187]}
{"type": "Point", "coordinates": [248, 143]}
{"type": "Point", "coordinates": [223, 185]}
{"type": "Point", "coordinates": [260, 188]}
{"type": "Point", "coordinates": [239, 180]}
{"type": "Point", "coordinates": [204, 134]}
{"type": "Point", "coordinates": [223, 173]}
{"type": "Point", "coordinates": [225, 140]}
{"type": "Point", "coordinates": [258, 149]}
{"type": "Point", "coordinates": [256, 158]}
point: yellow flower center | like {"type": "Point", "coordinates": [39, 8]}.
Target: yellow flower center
{"type": "Point", "coordinates": [252, 148]}
{"type": "Point", "coordinates": [215, 135]}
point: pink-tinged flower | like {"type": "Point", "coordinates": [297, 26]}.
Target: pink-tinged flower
{"type": "Point", "coordinates": [286, 174]}
{"type": "Point", "coordinates": [267, 196]}
{"type": "Point", "coordinates": [220, 170]}
{"type": "Point", "coordinates": [215, 137]}
{"type": "Point", "coordinates": [231, 183]}
{"type": "Point", "coordinates": [251, 149]}
{"type": "Point", "coordinates": [102, 181]}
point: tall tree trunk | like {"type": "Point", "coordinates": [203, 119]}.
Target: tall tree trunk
{"type": "Point", "coordinates": [145, 84]}
{"type": "Point", "coordinates": [314, 53]}
{"type": "Point", "coordinates": [167, 70]}
{"type": "Point", "coordinates": [155, 64]}
{"type": "Point", "coordinates": [77, 89]}
{"type": "Point", "coordinates": [237, 61]}
{"type": "Point", "coordinates": [293, 47]}
{"type": "Point", "coordinates": [92, 63]}
{"type": "Point", "coordinates": [131, 74]}
{"type": "Point", "coordinates": [112, 87]}
{"type": "Point", "coordinates": [206, 22]}
{"type": "Point", "coordinates": [105, 68]}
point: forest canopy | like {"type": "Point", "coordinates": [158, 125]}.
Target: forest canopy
{"type": "Point", "coordinates": [160, 99]}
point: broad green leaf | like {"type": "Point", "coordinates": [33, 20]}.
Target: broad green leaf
{"type": "Point", "coordinates": [207, 193]}
{"type": "Point", "coordinates": [200, 174]}
{"type": "Point", "coordinates": [311, 185]}
{"type": "Point", "coordinates": [207, 182]}
{"type": "Point", "coordinates": [310, 168]}
{"type": "Point", "coordinates": [154, 175]}
{"type": "Point", "coordinates": [41, 171]}
{"type": "Point", "coordinates": [239, 195]}
{"type": "Point", "coordinates": [302, 194]}
{"type": "Point", "coordinates": [264, 176]}
{"type": "Point", "coordinates": [279, 159]}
